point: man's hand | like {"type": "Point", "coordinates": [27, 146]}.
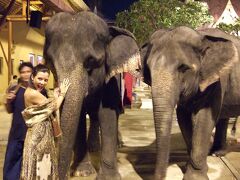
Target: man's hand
{"type": "Point", "coordinates": [10, 97]}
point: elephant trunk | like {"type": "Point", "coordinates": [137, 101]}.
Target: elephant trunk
{"type": "Point", "coordinates": [163, 105]}
{"type": "Point", "coordinates": [70, 118]}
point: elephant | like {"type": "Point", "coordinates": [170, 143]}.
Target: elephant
{"type": "Point", "coordinates": [90, 53]}
{"type": "Point", "coordinates": [219, 147]}
{"type": "Point", "coordinates": [198, 73]}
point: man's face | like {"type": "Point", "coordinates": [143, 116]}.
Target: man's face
{"type": "Point", "coordinates": [25, 73]}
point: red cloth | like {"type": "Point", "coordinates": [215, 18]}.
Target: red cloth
{"type": "Point", "coordinates": [128, 84]}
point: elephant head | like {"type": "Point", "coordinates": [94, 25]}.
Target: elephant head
{"type": "Point", "coordinates": [83, 48]}
{"type": "Point", "coordinates": [179, 64]}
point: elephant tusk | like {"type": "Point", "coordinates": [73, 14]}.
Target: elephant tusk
{"type": "Point", "coordinates": [194, 67]}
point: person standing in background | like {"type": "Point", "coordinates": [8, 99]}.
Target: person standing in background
{"type": "Point", "coordinates": [128, 85]}
{"type": "Point", "coordinates": [15, 104]}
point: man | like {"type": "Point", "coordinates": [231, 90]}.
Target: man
{"type": "Point", "coordinates": [15, 104]}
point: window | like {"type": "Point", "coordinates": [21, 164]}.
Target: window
{"type": "Point", "coordinates": [31, 59]}
{"type": "Point", "coordinates": [40, 60]}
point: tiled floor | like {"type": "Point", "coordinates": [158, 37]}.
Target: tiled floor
{"type": "Point", "coordinates": [136, 159]}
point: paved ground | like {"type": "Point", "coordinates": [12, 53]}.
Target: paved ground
{"type": "Point", "coordinates": [137, 158]}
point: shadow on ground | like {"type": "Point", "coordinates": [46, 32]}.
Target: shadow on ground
{"type": "Point", "coordinates": [143, 158]}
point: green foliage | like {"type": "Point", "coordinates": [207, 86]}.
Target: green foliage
{"type": "Point", "coordinates": [146, 16]}
{"type": "Point", "coordinates": [231, 28]}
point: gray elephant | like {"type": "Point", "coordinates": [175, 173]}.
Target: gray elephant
{"type": "Point", "coordinates": [199, 73]}
{"type": "Point", "coordinates": [83, 48]}
{"type": "Point", "coordinates": [219, 147]}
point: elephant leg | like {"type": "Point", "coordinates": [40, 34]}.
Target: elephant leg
{"type": "Point", "coordinates": [203, 124]}
{"type": "Point", "coordinates": [185, 123]}
{"type": "Point", "coordinates": [108, 118]}
{"type": "Point", "coordinates": [108, 165]}
{"type": "Point", "coordinates": [234, 127]}
{"type": "Point", "coordinates": [93, 133]}
{"type": "Point", "coordinates": [120, 142]}
{"type": "Point", "coordinates": [82, 163]}
{"type": "Point", "coordinates": [220, 138]}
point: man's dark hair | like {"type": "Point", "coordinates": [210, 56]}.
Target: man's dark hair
{"type": "Point", "coordinates": [25, 64]}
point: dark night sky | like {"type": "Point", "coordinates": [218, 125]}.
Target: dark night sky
{"type": "Point", "coordinates": [109, 8]}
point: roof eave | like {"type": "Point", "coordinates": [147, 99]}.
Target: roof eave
{"type": "Point", "coordinates": [58, 5]}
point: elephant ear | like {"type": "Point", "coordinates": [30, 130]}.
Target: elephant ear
{"type": "Point", "coordinates": [158, 34]}
{"type": "Point", "coordinates": [218, 57]}
{"type": "Point", "coordinates": [122, 53]}
{"type": "Point", "coordinates": [145, 70]}
{"type": "Point", "coordinates": [116, 31]}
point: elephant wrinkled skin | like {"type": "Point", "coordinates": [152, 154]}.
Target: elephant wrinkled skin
{"type": "Point", "coordinates": [83, 48]}
{"type": "Point", "coordinates": [200, 73]}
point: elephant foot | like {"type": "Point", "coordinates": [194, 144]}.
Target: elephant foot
{"type": "Point", "coordinates": [120, 142]}
{"type": "Point", "coordinates": [84, 169]}
{"type": "Point", "coordinates": [218, 151]}
{"type": "Point", "coordinates": [115, 176]}
{"type": "Point", "coordinates": [195, 174]}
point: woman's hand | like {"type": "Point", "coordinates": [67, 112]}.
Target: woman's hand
{"type": "Point", "coordinates": [63, 90]}
{"type": "Point", "coordinates": [64, 86]}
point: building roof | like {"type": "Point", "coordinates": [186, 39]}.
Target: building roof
{"type": "Point", "coordinates": [216, 7]}
{"type": "Point", "coordinates": [17, 8]}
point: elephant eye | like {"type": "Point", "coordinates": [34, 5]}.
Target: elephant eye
{"type": "Point", "coordinates": [90, 63]}
{"type": "Point", "coordinates": [183, 68]}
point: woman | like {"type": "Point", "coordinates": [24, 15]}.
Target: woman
{"type": "Point", "coordinates": [39, 155]}
{"type": "Point", "coordinates": [15, 104]}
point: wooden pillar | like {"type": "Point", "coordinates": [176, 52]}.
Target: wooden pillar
{"type": "Point", "coordinates": [9, 50]}
{"type": "Point", "coordinates": [4, 54]}
{"type": "Point", "coordinates": [24, 6]}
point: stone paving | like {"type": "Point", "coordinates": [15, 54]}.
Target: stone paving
{"type": "Point", "coordinates": [136, 159]}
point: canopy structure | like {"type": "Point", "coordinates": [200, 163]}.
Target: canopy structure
{"type": "Point", "coordinates": [21, 8]}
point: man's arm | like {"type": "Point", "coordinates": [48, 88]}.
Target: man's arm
{"type": "Point", "coordinates": [8, 108]}
{"type": "Point", "coordinates": [8, 102]}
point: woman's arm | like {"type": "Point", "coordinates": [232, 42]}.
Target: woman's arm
{"type": "Point", "coordinates": [62, 91]}
{"type": "Point", "coordinates": [33, 97]}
